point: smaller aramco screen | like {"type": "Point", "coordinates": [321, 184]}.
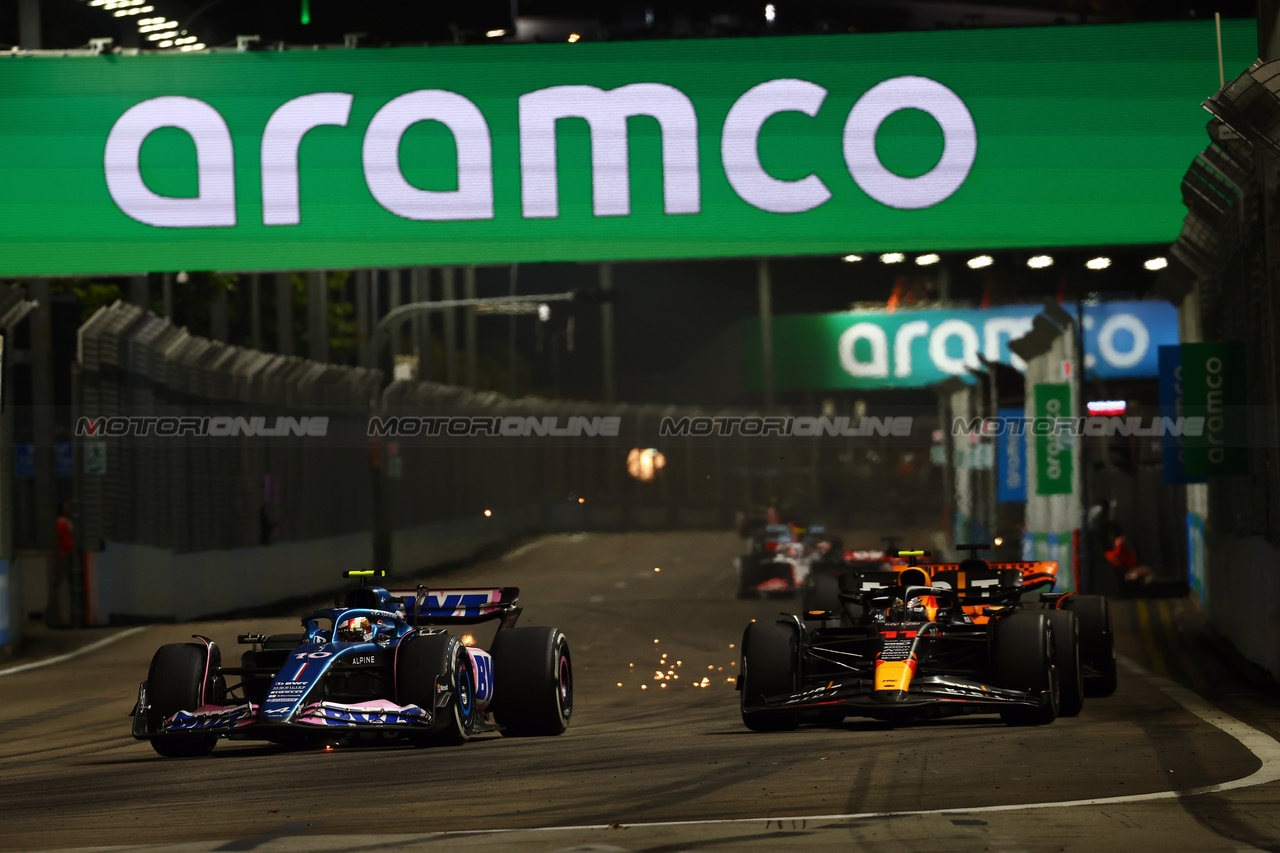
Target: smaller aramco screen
{"type": "Point", "coordinates": [605, 151]}
{"type": "Point", "coordinates": [915, 349]}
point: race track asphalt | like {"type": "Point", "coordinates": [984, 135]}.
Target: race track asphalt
{"type": "Point", "coordinates": [659, 765]}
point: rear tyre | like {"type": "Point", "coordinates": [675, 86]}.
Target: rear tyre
{"type": "Point", "coordinates": [1097, 642]}
{"type": "Point", "coordinates": [284, 642]}
{"type": "Point", "coordinates": [177, 681]}
{"type": "Point", "coordinates": [747, 580]}
{"type": "Point", "coordinates": [770, 653]}
{"type": "Point", "coordinates": [273, 655]}
{"type": "Point", "coordinates": [1066, 657]}
{"type": "Point", "coordinates": [422, 661]}
{"type": "Point", "coordinates": [533, 682]}
{"type": "Point", "coordinates": [1024, 659]}
{"type": "Point", "coordinates": [821, 591]}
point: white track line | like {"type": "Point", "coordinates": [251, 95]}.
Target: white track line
{"type": "Point", "coordinates": [1263, 746]}
{"type": "Point", "coordinates": [92, 647]}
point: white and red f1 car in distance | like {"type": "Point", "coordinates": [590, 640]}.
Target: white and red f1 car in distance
{"type": "Point", "coordinates": [781, 559]}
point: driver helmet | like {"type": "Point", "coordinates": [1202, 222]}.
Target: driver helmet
{"type": "Point", "coordinates": [357, 629]}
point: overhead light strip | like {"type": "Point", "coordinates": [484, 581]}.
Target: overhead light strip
{"type": "Point", "coordinates": [163, 33]}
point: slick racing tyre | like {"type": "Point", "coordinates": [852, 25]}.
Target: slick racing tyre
{"type": "Point", "coordinates": [254, 686]}
{"type": "Point", "coordinates": [821, 591]}
{"type": "Point", "coordinates": [1066, 657]}
{"type": "Point", "coordinates": [273, 654]}
{"type": "Point", "coordinates": [423, 660]}
{"type": "Point", "coordinates": [284, 642]}
{"type": "Point", "coordinates": [747, 575]}
{"type": "Point", "coordinates": [177, 682]}
{"type": "Point", "coordinates": [1024, 658]}
{"type": "Point", "coordinates": [532, 682]}
{"type": "Point", "coordinates": [1097, 642]}
{"type": "Point", "coordinates": [770, 651]}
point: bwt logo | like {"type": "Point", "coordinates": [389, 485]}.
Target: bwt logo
{"type": "Point", "coordinates": [606, 113]}
{"type": "Point", "coordinates": [201, 427]}
{"type": "Point", "coordinates": [458, 604]}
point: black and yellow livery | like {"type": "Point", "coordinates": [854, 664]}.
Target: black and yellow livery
{"type": "Point", "coordinates": [906, 645]}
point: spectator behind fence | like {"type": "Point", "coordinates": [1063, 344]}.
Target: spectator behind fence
{"type": "Point", "coordinates": [63, 565]}
{"type": "Point", "coordinates": [1131, 575]}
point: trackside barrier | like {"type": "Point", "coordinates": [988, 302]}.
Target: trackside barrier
{"type": "Point", "coordinates": [190, 526]}
{"type": "Point", "coordinates": [1221, 273]}
{"type": "Point", "coordinates": [13, 310]}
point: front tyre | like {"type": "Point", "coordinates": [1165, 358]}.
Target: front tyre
{"type": "Point", "coordinates": [1066, 657]}
{"type": "Point", "coordinates": [425, 661]}
{"type": "Point", "coordinates": [748, 575]}
{"type": "Point", "coordinates": [532, 682]}
{"type": "Point", "coordinates": [1024, 659]}
{"type": "Point", "coordinates": [770, 651]}
{"type": "Point", "coordinates": [181, 675]}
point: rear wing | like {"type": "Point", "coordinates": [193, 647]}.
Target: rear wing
{"type": "Point", "coordinates": [1034, 572]}
{"type": "Point", "coordinates": [425, 606]}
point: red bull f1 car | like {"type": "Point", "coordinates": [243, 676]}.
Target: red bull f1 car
{"type": "Point", "coordinates": [821, 591]}
{"type": "Point", "coordinates": [382, 665]}
{"type": "Point", "coordinates": [904, 647]}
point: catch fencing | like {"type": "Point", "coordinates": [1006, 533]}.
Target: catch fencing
{"type": "Point", "coordinates": [190, 494]}
{"type": "Point", "coordinates": [205, 493]}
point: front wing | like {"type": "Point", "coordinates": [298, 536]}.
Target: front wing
{"type": "Point", "coordinates": [859, 697]}
{"type": "Point", "coordinates": [245, 719]}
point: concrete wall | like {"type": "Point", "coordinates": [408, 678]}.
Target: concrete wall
{"type": "Point", "coordinates": [416, 548]}
{"type": "Point", "coordinates": [142, 582]}
{"type": "Point", "coordinates": [1244, 596]}
{"type": "Point", "coordinates": [29, 580]}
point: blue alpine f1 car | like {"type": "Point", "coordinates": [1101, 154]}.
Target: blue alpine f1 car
{"type": "Point", "coordinates": [383, 665]}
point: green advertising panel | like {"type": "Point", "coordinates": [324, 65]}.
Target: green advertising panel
{"type": "Point", "coordinates": [916, 349]}
{"type": "Point", "coordinates": [1053, 450]}
{"type": "Point", "coordinates": [609, 151]}
{"type": "Point", "coordinates": [1215, 387]}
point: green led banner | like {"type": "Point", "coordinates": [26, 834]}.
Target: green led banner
{"type": "Point", "coordinates": [974, 139]}
{"type": "Point", "coordinates": [1215, 386]}
{"type": "Point", "coordinates": [1054, 469]}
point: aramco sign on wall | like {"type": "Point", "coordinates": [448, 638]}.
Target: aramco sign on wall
{"type": "Point", "coordinates": [915, 349]}
{"type": "Point", "coordinates": [612, 151]}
